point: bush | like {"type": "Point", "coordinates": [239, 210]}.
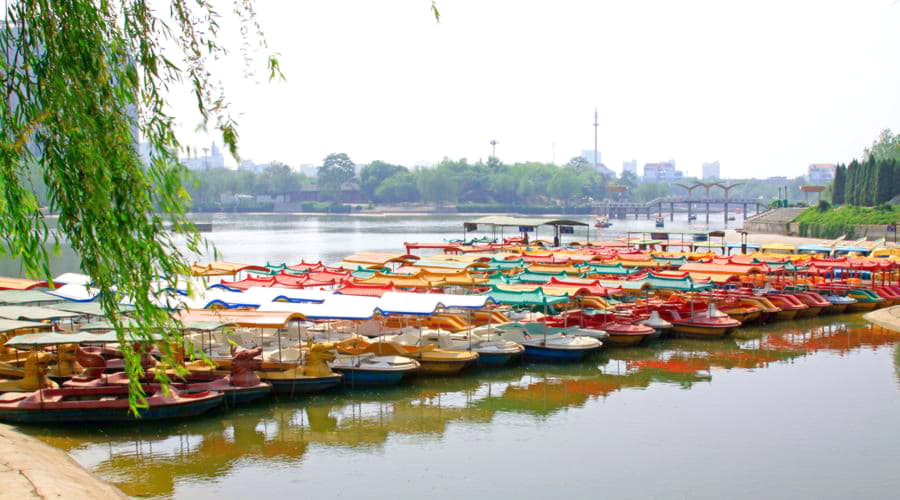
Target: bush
{"type": "Point", "coordinates": [824, 206]}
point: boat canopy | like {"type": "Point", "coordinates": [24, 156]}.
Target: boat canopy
{"type": "Point", "coordinates": [34, 313]}
{"type": "Point", "coordinates": [815, 248]}
{"type": "Point", "coordinates": [848, 249]}
{"type": "Point", "coordinates": [507, 221]}
{"type": "Point", "coordinates": [20, 284]}
{"type": "Point", "coordinates": [615, 269]}
{"type": "Point", "coordinates": [86, 308]}
{"type": "Point", "coordinates": [752, 246]}
{"type": "Point", "coordinates": [11, 325]}
{"type": "Point", "coordinates": [20, 297]}
{"type": "Point", "coordinates": [376, 259]}
{"type": "Point", "coordinates": [75, 293]}
{"type": "Point", "coordinates": [222, 268]}
{"type": "Point", "coordinates": [345, 307]}
{"type": "Point", "coordinates": [53, 338]}
{"type": "Point", "coordinates": [72, 278]}
{"type": "Point", "coordinates": [536, 297]}
{"type": "Point", "coordinates": [778, 248]}
{"type": "Point", "coordinates": [257, 319]}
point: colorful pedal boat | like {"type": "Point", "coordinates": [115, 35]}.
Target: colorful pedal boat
{"type": "Point", "coordinates": [371, 370]}
{"type": "Point", "coordinates": [432, 360]}
{"type": "Point", "coordinates": [711, 323]}
{"type": "Point", "coordinates": [622, 334]}
{"type": "Point", "coordinates": [544, 343]}
{"type": "Point", "coordinates": [866, 300]}
{"type": "Point", "coordinates": [232, 395]}
{"type": "Point", "coordinates": [102, 404]}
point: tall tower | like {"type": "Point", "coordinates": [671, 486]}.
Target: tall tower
{"type": "Point", "coordinates": [595, 137]}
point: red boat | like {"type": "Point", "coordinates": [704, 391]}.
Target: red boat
{"type": "Point", "coordinates": [710, 323]}
{"type": "Point", "coordinates": [814, 302]}
{"type": "Point", "coordinates": [626, 334]}
{"type": "Point", "coordinates": [790, 306]}
{"type": "Point", "coordinates": [102, 404]}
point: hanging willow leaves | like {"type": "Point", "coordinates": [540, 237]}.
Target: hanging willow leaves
{"type": "Point", "coordinates": [82, 81]}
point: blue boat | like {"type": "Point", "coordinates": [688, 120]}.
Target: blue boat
{"type": "Point", "coordinates": [536, 353]}
{"type": "Point", "coordinates": [372, 370]}
{"type": "Point", "coordinates": [493, 360]}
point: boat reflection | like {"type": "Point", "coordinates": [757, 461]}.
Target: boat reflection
{"type": "Point", "coordinates": [151, 460]}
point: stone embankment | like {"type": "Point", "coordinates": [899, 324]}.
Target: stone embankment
{"type": "Point", "coordinates": [32, 469]}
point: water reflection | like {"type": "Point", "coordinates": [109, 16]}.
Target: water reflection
{"type": "Point", "coordinates": [152, 460]}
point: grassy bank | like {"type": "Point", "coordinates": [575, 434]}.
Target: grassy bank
{"type": "Point", "coordinates": [835, 222]}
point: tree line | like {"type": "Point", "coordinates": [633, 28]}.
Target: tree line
{"type": "Point", "coordinates": [873, 181]}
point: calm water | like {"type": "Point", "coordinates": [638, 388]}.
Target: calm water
{"type": "Point", "coordinates": [801, 409]}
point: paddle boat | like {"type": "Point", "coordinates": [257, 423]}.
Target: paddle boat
{"type": "Point", "coordinates": [744, 313]}
{"type": "Point", "coordinates": [102, 404]}
{"type": "Point", "coordinates": [790, 309]}
{"type": "Point", "coordinates": [240, 386]}
{"type": "Point", "coordinates": [839, 303]}
{"type": "Point", "coordinates": [314, 375]}
{"type": "Point", "coordinates": [432, 360]}
{"type": "Point", "coordinates": [545, 343]}
{"type": "Point", "coordinates": [767, 310]}
{"type": "Point", "coordinates": [368, 369]}
{"type": "Point", "coordinates": [492, 350]}
{"type": "Point", "coordinates": [623, 334]}
{"type": "Point", "coordinates": [659, 325]}
{"type": "Point", "coordinates": [866, 300]}
{"type": "Point", "coordinates": [34, 375]}
{"type": "Point", "coordinates": [710, 323]}
{"type": "Point", "coordinates": [813, 302]}
{"type": "Point", "coordinates": [602, 222]}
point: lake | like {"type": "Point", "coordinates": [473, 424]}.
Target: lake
{"type": "Point", "coordinates": [805, 408]}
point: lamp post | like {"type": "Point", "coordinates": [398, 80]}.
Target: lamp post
{"type": "Point", "coordinates": [494, 148]}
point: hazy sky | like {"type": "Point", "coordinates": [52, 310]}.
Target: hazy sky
{"type": "Point", "coordinates": [765, 87]}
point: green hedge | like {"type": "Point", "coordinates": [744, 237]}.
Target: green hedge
{"type": "Point", "coordinates": [833, 223]}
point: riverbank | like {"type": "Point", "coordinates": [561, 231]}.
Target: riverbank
{"type": "Point", "coordinates": [32, 469]}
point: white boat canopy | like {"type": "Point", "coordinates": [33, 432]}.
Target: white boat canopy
{"type": "Point", "coordinates": [75, 292]}
{"type": "Point", "coordinates": [72, 279]}
{"type": "Point", "coordinates": [337, 307]}
{"type": "Point", "coordinates": [28, 313]}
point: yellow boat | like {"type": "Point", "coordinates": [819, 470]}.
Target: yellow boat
{"type": "Point", "coordinates": [768, 309]}
{"type": "Point", "coordinates": [433, 360]}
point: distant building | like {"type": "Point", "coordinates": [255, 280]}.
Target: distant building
{"type": "Point", "coordinates": [820, 173]}
{"type": "Point", "coordinates": [780, 180]}
{"type": "Point", "coordinates": [212, 158]}
{"type": "Point", "coordinates": [251, 166]}
{"type": "Point", "coordinates": [630, 166]}
{"type": "Point", "coordinates": [711, 171]}
{"type": "Point", "coordinates": [661, 172]}
{"type": "Point", "coordinates": [588, 156]}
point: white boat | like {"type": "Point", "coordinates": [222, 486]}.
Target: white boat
{"type": "Point", "coordinates": [546, 343]}
{"type": "Point", "coordinates": [492, 350]}
{"type": "Point", "coordinates": [369, 369]}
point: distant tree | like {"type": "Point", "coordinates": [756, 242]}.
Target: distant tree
{"type": "Point", "coordinates": [629, 180]}
{"type": "Point", "coordinates": [578, 161]}
{"type": "Point", "coordinates": [886, 147]}
{"type": "Point", "coordinates": [840, 181]}
{"type": "Point", "coordinates": [337, 169]}
{"type": "Point", "coordinates": [372, 175]}
{"type": "Point", "coordinates": [436, 186]}
{"type": "Point", "coordinates": [564, 186]}
{"type": "Point", "coordinates": [398, 188]}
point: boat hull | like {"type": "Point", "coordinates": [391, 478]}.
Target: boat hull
{"type": "Point", "coordinates": [109, 415]}
{"type": "Point", "coordinates": [245, 395]}
{"type": "Point", "coordinates": [861, 306]}
{"type": "Point", "coordinates": [702, 332]}
{"type": "Point", "coordinates": [303, 386]}
{"type": "Point", "coordinates": [537, 353]}
{"type": "Point", "coordinates": [786, 314]}
{"type": "Point", "coordinates": [433, 367]}
{"type": "Point", "coordinates": [354, 377]}
{"type": "Point", "coordinates": [619, 340]}
{"type": "Point", "coordinates": [495, 359]}
{"type": "Point", "coordinates": [809, 312]}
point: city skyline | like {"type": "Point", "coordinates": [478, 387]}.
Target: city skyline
{"type": "Point", "coordinates": [716, 90]}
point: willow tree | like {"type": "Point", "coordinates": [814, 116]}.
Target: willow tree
{"type": "Point", "coordinates": [83, 81]}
